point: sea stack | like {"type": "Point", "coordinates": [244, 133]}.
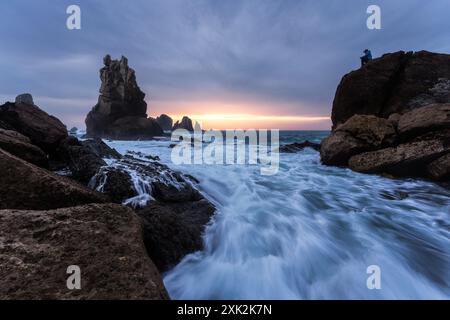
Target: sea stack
{"type": "Point", "coordinates": [186, 123]}
{"type": "Point", "coordinates": [165, 122]}
{"type": "Point", "coordinates": [121, 111]}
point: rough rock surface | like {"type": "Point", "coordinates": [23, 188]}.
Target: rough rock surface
{"type": "Point", "coordinates": [20, 146]}
{"type": "Point", "coordinates": [395, 83]}
{"type": "Point", "coordinates": [173, 211]}
{"type": "Point", "coordinates": [43, 130]}
{"type": "Point", "coordinates": [165, 122]}
{"type": "Point", "coordinates": [358, 134]}
{"type": "Point", "coordinates": [429, 118]}
{"type": "Point", "coordinates": [186, 124]}
{"type": "Point", "coordinates": [104, 240]}
{"type": "Point", "coordinates": [407, 159]}
{"type": "Point", "coordinates": [120, 97]}
{"type": "Point", "coordinates": [393, 116]}
{"type": "Point", "coordinates": [439, 169]}
{"type": "Point", "coordinates": [26, 186]}
{"type": "Point", "coordinates": [173, 230]}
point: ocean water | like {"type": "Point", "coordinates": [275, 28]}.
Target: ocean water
{"type": "Point", "coordinates": [311, 231]}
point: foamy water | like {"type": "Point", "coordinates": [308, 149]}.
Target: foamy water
{"type": "Point", "coordinates": [311, 231]}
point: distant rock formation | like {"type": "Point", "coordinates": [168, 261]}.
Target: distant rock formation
{"type": "Point", "coordinates": [393, 116]}
{"type": "Point", "coordinates": [121, 110]}
{"type": "Point", "coordinates": [185, 123]}
{"type": "Point", "coordinates": [165, 122]}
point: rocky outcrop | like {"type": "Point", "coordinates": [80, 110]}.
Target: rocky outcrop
{"type": "Point", "coordinates": [121, 109]}
{"type": "Point", "coordinates": [103, 240]}
{"type": "Point", "coordinates": [165, 122]}
{"type": "Point", "coordinates": [393, 116]}
{"type": "Point", "coordinates": [43, 130]}
{"type": "Point", "coordinates": [360, 133]}
{"type": "Point", "coordinates": [185, 124]}
{"type": "Point", "coordinates": [173, 211]}
{"type": "Point", "coordinates": [426, 119]}
{"type": "Point", "coordinates": [173, 230]}
{"type": "Point", "coordinates": [26, 186]}
{"type": "Point", "coordinates": [20, 146]}
{"type": "Point", "coordinates": [395, 83]}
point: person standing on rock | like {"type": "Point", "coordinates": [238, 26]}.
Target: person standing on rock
{"type": "Point", "coordinates": [366, 57]}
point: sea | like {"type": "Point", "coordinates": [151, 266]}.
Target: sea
{"type": "Point", "coordinates": [311, 231]}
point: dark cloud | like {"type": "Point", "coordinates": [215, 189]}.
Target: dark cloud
{"type": "Point", "coordinates": [288, 54]}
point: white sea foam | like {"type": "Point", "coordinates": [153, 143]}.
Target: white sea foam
{"type": "Point", "coordinates": [311, 231]}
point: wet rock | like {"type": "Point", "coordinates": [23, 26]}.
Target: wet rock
{"type": "Point", "coordinates": [101, 149]}
{"type": "Point", "coordinates": [103, 240]}
{"type": "Point", "coordinates": [409, 159]}
{"type": "Point", "coordinates": [173, 230]}
{"type": "Point", "coordinates": [425, 119]}
{"type": "Point", "coordinates": [43, 130]}
{"type": "Point", "coordinates": [26, 186]}
{"type": "Point", "coordinates": [20, 146]}
{"type": "Point", "coordinates": [360, 133]}
{"type": "Point", "coordinates": [73, 131]}
{"type": "Point", "coordinates": [299, 146]}
{"type": "Point", "coordinates": [439, 169]}
{"type": "Point", "coordinates": [165, 122]}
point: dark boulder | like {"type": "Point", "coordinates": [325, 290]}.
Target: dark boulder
{"type": "Point", "coordinates": [43, 130]}
{"type": "Point", "coordinates": [426, 119]}
{"type": "Point", "coordinates": [104, 240]}
{"type": "Point", "coordinates": [20, 146]}
{"type": "Point", "coordinates": [134, 128]}
{"type": "Point", "coordinates": [101, 149]}
{"type": "Point", "coordinates": [173, 230]}
{"type": "Point", "coordinates": [121, 109]}
{"type": "Point", "coordinates": [26, 186]}
{"type": "Point", "coordinates": [395, 83]}
{"type": "Point", "coordinates": [358, 134]}
{"type": "Point", "coordinates": [165, 122]}
{"type": "Point", "coordinates": [409, 159]}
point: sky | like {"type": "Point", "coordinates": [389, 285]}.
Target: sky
{"type": "Point", "coordinates": [271, 64]}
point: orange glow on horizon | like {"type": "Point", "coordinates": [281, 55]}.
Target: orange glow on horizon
{"type": "Point", "coordinates": [252, 121]}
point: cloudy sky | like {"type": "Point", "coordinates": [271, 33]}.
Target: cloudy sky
{"type": "Point", "coordinates": [234, 63]}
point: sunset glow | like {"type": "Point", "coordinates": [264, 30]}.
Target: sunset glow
{"type": "Point", "coordinates": [247, 121]}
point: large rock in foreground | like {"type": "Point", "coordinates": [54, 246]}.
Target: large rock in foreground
{"type": "Point", "coordinates": [395, 83]}
{"type": "Point", "coordinates": [393, 116]}
{"type": "Point", "coordinates": [20, 146]}
{"type": "Point", "coordinates": [121, 109]}
{"type": "Point", "coordinates": [173, 230]}
{"type": "Point", "coordinates": [103, 240]}
{"type": "Point", "coordinates": [360, 133]}
{"type": "Point", "coordinates": [26, 186]}
{"type": "Point", "coordinates": [43, 130]}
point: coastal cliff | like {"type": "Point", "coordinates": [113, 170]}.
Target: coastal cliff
{"type": "Point", "coordinates": [392, 116]}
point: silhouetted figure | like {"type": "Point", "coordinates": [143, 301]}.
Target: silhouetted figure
{"type": "Point", "coordinates": [366, 57]}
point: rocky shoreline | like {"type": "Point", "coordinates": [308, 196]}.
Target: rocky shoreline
{"type": "Point", "coordinates": [392, 117]}
{"type": "Point", "coordinates": [61, 204]}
